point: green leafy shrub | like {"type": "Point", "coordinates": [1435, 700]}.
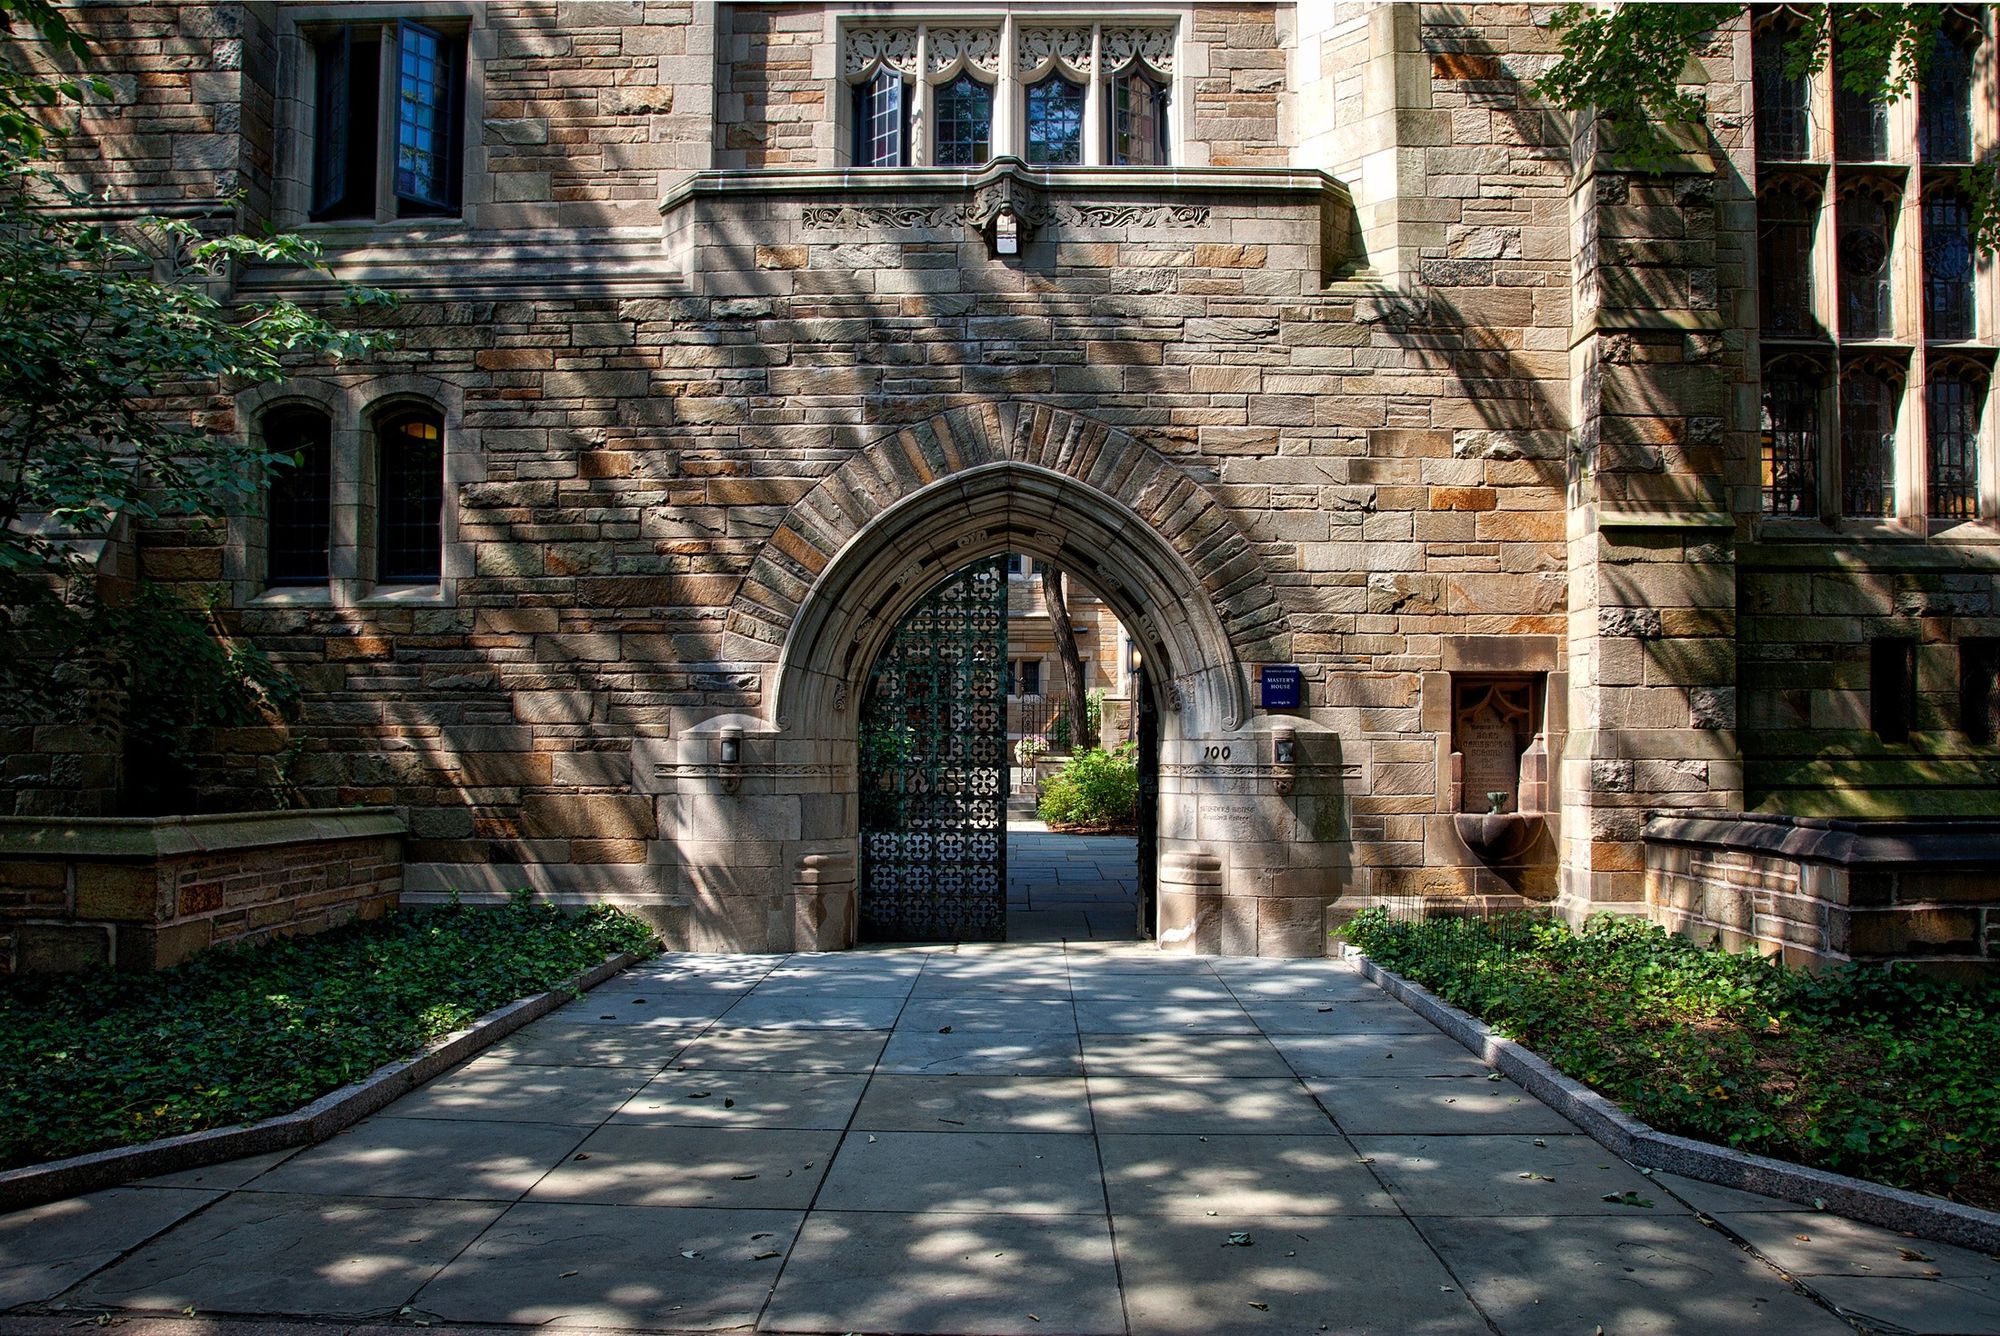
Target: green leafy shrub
{"type": "Point", "coordinates": [1094, 788]}
{"type": "Point", "coordinates": [1861, 1070]}
{"type": "Point", "coordinates": [89, 1061]}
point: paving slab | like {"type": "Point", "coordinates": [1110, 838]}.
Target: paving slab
{"type": "Point", "coordinates": [426, 1157]}
{"type": "Point", "coordinates": [983, 1052]}
{"type": "Point", "coordinates": [783, 1050]}
{"type": "Point", "coordinates": [899, 1103]}
{"type": "Point", "coordinates": [1018, 1173]}
{"type": "Point", "coordinates": [1242, 1105]}
{"type": "Point", "coordinates": [1343, 1018]}
{"type": "Point", "coordinates": [637, 1165]}
{"type": "Point", "coordinates": [1813, 1243]}
{"type": "Point", "coordinates": [714, 1098]}
{"type": "Point", "coordinates": [1298, 1275]}
{"type": "Point", "coordinates": [667, 1011]}
{"type": "Point", "coordinates": [46, 1249]}
{"type": "Point", "coordinates": [259, 1252]}
{"type": "Point", "coordinates": [1508, 1176]}
{"type": "Point", "coordinates": [496, 1090]}
{"type": "Point", "coordinates": [228, 1174]}
{"type": "Point", "coordinates": [1377, 1055]}
{"type": "Point", "coordinates": [1216, 1055]}
{"type": "Point", "coordinates": [1443, 1105]}
{"type": "Point", "coordinates": [1006, 1275]}
{"type": "Point", "coordinates": [1145, 1017]}
{"type": "Point", "coordinates": [1240, 1178]}
{"type": "Point", "coordinates": [553, 1043]}
{"type": "Point", "coordinates": [814, 1013]}
{"type": "Point", "coordinates": [1004, 1014]}
{"type": "Point", "coordinates": [1657, 1276]}
{"type": "Point", "coordinates": [615, 1266]}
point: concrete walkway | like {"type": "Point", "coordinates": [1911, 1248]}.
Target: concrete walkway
{"type": "Point", "coordinates": [1070, 887]}
{"type": "Point", "coordinates": [1008, 1139]}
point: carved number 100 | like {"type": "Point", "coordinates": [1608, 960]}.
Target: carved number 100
{"type": "Point", "coordinates": [1215, 753]}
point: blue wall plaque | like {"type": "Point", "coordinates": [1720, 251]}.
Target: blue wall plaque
{"type": "Point", "coordinates": [1281, 686]}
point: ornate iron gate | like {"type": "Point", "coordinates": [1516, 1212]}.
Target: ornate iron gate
{"type": "Point", "coordinates": [934, 768]}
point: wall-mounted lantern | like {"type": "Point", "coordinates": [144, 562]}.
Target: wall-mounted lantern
{"type": "Point", "coordinates": [1284, 758]}
{"type": "Point", "coordinates": [729, 758]}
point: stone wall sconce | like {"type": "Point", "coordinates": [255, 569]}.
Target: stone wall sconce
{"type": "Point", "coordinates": [729, 758]}
{"type": "Point", "coordinates": [1284, 759]}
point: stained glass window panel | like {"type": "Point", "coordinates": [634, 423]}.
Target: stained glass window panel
{"type": "Point", "coordinates": [1784, 264]}
{"type": "Point", "coordinates": [1867, 444]}
{"type": "Point", "coordinates": [1944, 103]}
{"type": "Point", "coordinates": [1782, 124]}
{"type": "Point", "coordinates": [1954, 400]}
{"type": "Point", "coordinates": [1864, 267]}
{"type": "Point", "coordinates": [1948, 266]}
{"type": "Point", "coordinates": [1790, 443]}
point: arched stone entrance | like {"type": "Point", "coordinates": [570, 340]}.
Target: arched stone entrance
{"type": "Point", "coordinates": [760, 810]}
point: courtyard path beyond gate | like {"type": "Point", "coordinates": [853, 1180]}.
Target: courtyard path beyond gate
{"type": "Point", "coordinates": [1089, 1138]}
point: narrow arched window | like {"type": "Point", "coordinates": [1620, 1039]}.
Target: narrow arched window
{"type": "Point", "coordinates": [1944, 101]}
{"type": "Point", "coordinates": [1783, 128]}
{"type": "Point", "coordinates": [1055, 122]}
{"type": "Point", "coordinates": [1790, 443]}
{"type": "Point", "coordinates": [1865, 221]}
{"type": "Point", "coordinates": [298, 509]}
{"type": "Point", "coordinates": [1868, 400]}
{"type": "Point", "coordinates": [1785, 216]}
{"type": "Point", "coordinates": [1138, 120]}
{"type": "Point", "coordinates": [409, 545]}
{"type": "Point", "coordinates": [882, 121]}
{"type": "Point", "coordinates": [1948, 271]}
{"type": "Point", "coordinates": [1955, 398]}
{"type": "Point", "coordinates": [964, 112]}
{"type": "Point", "coordinates": [1860, 120]}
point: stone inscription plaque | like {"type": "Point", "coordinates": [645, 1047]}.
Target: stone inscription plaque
{"type": "Point", "coordinates": [1492, 725]}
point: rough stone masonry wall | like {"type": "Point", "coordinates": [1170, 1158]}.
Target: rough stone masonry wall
{"type": "Point", "coordinates": [146, 894]}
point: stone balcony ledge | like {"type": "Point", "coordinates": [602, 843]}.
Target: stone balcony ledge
{"type": "Point", "coordinates": [114, 837]}
{"type": "Point", "coordinates": [1970, 842]}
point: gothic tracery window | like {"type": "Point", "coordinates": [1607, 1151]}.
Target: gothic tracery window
{"type": "Point", "coordinates": [964, 122]}
{"type": "Point", "coordinates": [1055, 122]}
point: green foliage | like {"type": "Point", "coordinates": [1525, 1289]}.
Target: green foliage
{"type": "Point", "coordinates": [1060, 734]}
{"type": "Point", "coordinates": [1093, 710]}
{"type": "Point", "coordinates": [26, 95]}
{"type": "Point", "coordinates": [1862, 1071]}
{"type": "Point", "coordinates": [152, 663]}
{"type": "Point", "coordinates": [1627, 62]}
{"type": "Point", "coordinates": [105, 1059]}
{"type": "Point", "coordinates": [1094, 788]}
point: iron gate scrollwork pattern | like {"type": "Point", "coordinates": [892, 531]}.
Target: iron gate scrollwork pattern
{"type": "Point", "coordinates": [933, 759]}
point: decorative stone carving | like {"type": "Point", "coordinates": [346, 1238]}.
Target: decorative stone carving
{"type": "Point", "coordinates": [868, 48]}
{"type": "Point", "coordinates": [824, 217]}
{"type": "Point", "coordinates": [1153, 46]}
{"type": "Point", "coordinates": [977, 47]}
{"type": "Point", "coordinates": [1035, 49]}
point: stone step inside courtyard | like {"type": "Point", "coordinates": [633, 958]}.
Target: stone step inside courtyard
{"type": "Point", "coordinates": [1089, 1138]}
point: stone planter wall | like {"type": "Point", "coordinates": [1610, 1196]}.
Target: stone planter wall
{"type": "Point", "coordinates": [145, 893]}
{"type": "Point", "coordinates": [1821, 892]}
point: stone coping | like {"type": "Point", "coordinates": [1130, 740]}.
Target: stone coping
{"type": "Point", "coordinates": [1648, 1148]}
{"type": "Point", "coordinates": [142, 837]}
{"type": "Point", "coordinates": [1967, 842]}
{"type": "Point", "coordinates": [866, 185]}
{"type": "Point", "coordinates": [32, 1184]}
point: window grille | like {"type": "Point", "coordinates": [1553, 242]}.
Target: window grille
{"type": "Point", "coordinates": [410, 512]}
{"type": "Point", "coordinates": [1954, 400]}
{"type": "Point", "coordinates": [1944, 102]}
{"type": "Point", "coordinates": [1864, 267]}
{"type": "Point", "coordinates": [1783, 128]}
{"type": "Point", "coordinates": [881, 121]}
{"type": "Point", "coordinates": [298, 513]}
{"type": "Point", "coordinates": [1138, 121]}
{"type": "Point", "coordinates": [1055, 122]}
{"type": "Point", "coordinates": [1867, 443]}
{"type": "Point", "coordinates": [1784, 268]}
{"type": "Point", "coordinates": [1790, 444]}
{"type": "Point", "coordinates": [964, 112]}
{"type": "Point", "coordinates": [1948, 269]}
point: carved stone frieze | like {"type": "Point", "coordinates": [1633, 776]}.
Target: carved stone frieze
{"type": "Point", "coordinates": [977, 47]}
{"type": "Point", "coordinates": [1036, 48]}
{"type": "Point", "coordinates": [1154, 46]}
{"type": "Point", "coordinates": [1028, 206]}
{"type": "Point", "coordinates": [866, 49]}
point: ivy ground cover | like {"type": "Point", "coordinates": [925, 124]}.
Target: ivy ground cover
{"type": "Point", "coordinates": [89, 1061]}
{"type": "Point", "coordinates": [1879, 1074]}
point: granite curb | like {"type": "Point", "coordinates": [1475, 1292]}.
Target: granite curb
{"type": "Point", "coordinates": [1648, 1148]}
{"type": "Point", "coordinates": [33, 1184]}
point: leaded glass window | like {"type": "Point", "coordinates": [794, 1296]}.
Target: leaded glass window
{"type": "Point", "coordinates": [1948, 267]}
{"type": "Point", "coordinates": [1864, 266]}
{"type": "Point", "coordinates": [1138, 121]}
{"type": "Point", "coordinates": [1860, 124]}
{"type": "Point", "coordinates": [882, 121]}
{"type": "Point", "coordinates": [1954, 398]}
{"type": "Point", "coordinates": [1782, 124]}
{"type": "Point", "coordinates": [1790, 444]}
{"type": "Point", "coordinates": [426, 107]}
{"type": "Point", "coordinates": [964, 112]}
{"type": "Point", "coordinates": [1868, 401]}
{"type": "Point", "coordinates": [298, 511]}
{"type": "Point", "coordinates": [410, 506]}
{"type": "Point", "coordinates": [1055, 122]}
{"type": "Point", "coordinates": [1784, 260]}
{"type": "Point", "coordinates": [1944, 102]}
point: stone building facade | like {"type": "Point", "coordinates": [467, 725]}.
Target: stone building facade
{"type": "Point", "coordinates": [1365, 361]}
